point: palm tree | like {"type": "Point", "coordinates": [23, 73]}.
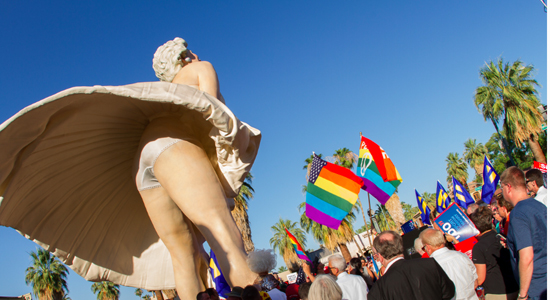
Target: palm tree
{"type": "Point", "coordinates": [240, 212]}
{"type": "Point", "coordinates": [456, 167]}
{"type": "Point", "coordinates": [381, 215]}
{"type": "Point", "coordinates": [409, 211]}
{"type": "Point", "coordinates": [510, 92]}
{"type": "Point", "coordinates": [146, 297]}
{"type": "Point", "coordinates": [474, 155]}
{"type": "Point", "coordinates": [430, 199]}
{"type": "Point", "coordinates": [331, 238]}
{"type": "Point", "coordinates": [282, 269]}
{"type": "Point", "coordinates": [47, 276]}
{"type": "Point", "coordinates": [138, 292]}
{"type": "Point", "coordinates": [282, 243]}
{"type": "Point", "coordinates": [106, 290]}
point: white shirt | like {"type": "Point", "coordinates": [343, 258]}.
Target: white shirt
{"type": "Point", "coordinates": [353, 286]}
{"type": "Point", "coordinates": [275, 294]}
{"type": "Point", "coordinates": [541, 195]}
{"type": "Point", "coordinates": [391, 263]}
{"type": "Point", "coordinates": [460, 269]}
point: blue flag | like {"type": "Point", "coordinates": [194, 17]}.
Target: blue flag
{"type": "Point", "coordinates": [222, 287]}
{"type": "Point", "coordinates": [442, 199]}
{"type": "Point", "coordinates": [424, 208]}
{"type": "Point", "coordinates": [490, 181]}
{"type": "Point", "coordinates": [462, 196]}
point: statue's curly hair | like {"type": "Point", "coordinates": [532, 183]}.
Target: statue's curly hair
{"type": "Point", "coordinates": [167, 61]}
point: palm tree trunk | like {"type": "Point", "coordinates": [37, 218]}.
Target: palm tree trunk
{"type": "Point", "coordinates": [395, 210]}
{"type": "Point", "coordinates": [345, 252]}
{"type": "Point", "coordinates": [536, 149]}
{"type": "Point", "coordinates": [364, 219]}
{"type": "Point", "coordinates": [504, 142]}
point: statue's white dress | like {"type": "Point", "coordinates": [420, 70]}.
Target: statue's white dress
{"type": "Point", "coordinates": [67, 183]}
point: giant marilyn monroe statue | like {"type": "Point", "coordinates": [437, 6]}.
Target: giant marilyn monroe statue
{"type": "Point", "coordinates": [74, 165]}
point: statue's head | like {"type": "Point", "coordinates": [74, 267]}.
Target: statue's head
{"type": "Point", "coordinates": [170, 58]}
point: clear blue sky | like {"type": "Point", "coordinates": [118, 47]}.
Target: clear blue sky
{"type": "Point", "coordinates": [309, 74]}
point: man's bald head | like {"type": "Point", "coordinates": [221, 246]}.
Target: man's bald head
{"type": "Point", "coordinates": [432, 237]}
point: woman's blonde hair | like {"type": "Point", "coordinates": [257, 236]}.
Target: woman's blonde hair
{"type": "Point", "coordinates": [167, 61]}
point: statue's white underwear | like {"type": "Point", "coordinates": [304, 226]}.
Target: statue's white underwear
{"type": "Point", "coordinates": [145, 178]}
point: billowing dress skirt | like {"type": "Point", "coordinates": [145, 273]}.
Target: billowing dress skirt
{"type": "Point", "coordinates": [66, 178]}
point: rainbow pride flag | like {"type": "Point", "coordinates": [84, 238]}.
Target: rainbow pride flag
{"type": "Point", "coordinates": [299, 250]}
{"type": "Point", "coordinates": [332, 191]}
{"type": "Point", "coordinates": [380, 178]}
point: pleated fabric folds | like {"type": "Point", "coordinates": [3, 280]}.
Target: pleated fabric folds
{"type": "Point", "coordinates": [66, 174]}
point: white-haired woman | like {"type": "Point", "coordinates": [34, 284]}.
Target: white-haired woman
{"type": "Point", "coordinates": [325, 288]}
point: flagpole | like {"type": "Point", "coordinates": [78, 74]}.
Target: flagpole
{"type": "Point", "coordinates": [363, 212]}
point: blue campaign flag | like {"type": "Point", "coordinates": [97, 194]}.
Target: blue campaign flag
{"type": "Point", "coordinates": [462, 196]}
{"type": "Point", "coordinates": [222, 287]}
{"type": "Point", "coordinates": [490, 181]}
{"type": "Point", "coordinates": [424, 208]}
{"type": "Point", "coordinates": [455, 222]}
{"type": "Point", "coordinates": [442, 199]}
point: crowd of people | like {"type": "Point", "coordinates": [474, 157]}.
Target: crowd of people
{"type": "Point", "coordinates": [508, 259]}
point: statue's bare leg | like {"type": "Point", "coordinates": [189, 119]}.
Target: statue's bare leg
{"type": "Point", "coordinates": [176, 232]}
{"type": "Point", "coordinates": [187, 175]}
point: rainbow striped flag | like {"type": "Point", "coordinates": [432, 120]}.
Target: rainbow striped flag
{"type": "Point", "coordinates": [332, 191]}
{"type": "Point", "coordinates": [380, 178]}
{"type": "Point", "coordinates": [299, 250]}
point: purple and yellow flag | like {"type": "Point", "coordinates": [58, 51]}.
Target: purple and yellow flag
{"type": "Point", "coordinates": [424, 208]}
{"type": "Point", "coordinates": [379, 175]}
{"type": "Point", "coordinates": [332, 191]}
{"type": "Point", "coordinates": [490, 181]}
{"type": "Point", "coordinates": [442, 199]}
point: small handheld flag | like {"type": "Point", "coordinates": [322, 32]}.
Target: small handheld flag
{"type": "Point", "coordinates": [297, 247]}
{"type": "Point", "coordinates": [332, 191]}
{"type": "Point", "coordinates": [442, 199]}
{"type": "Point", "coordinates": [490, 181]}
{"type": "Point", "coordinates": [380, 178]}
{"type": "Point", "coordinates": [222, 287]}
{"type": "Point", "coordinates": [424, 208]}
{"type": "Point", "coordinates": [462, 196]}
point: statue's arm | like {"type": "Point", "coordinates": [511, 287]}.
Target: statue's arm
{"type": "Point", "coordinates": [208, 80]}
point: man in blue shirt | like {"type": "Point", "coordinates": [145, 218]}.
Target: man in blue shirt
{"type": "Point", "coordinates": [526, 235]}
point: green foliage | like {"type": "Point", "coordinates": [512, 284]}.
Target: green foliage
{"type": "Point", "coordinates": [509, 92]}
{"type": "Point", "coordinates": [362, 229]}
{"type": "Point", "coordinates": [522, 155]}
{"type": "Point", "coordinates": [430, 199]}
{"type": "Point", "coordinates": [280, 240]}
{"type": "Point", "coordinates": [383, 218]}
{"type": "Point", "coordinates": [282, 269]}
{"type": "Point", "coordinates": [456, 167]}
{"type": "Point", "coordinates": [325, 235]}
{"type": "Point", "coordinates": [409, 211]}
{"type": "Point", "coordinates": [345, 158]}
{"type": "Point", "coordinates": [138, 292]}
{"type": "Point", "coordinates": [106, 290]}
{"type": "Point", "coordinates": [47, 276]}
